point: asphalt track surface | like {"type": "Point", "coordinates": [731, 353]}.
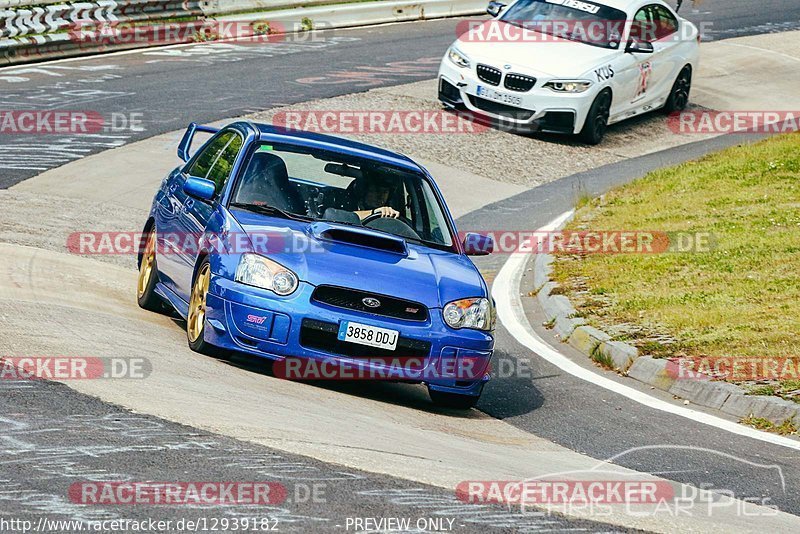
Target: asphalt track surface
{"type": "Point", "coordinates": [60, 433]}
{"type": "Point", "coordinates": [52, 436]}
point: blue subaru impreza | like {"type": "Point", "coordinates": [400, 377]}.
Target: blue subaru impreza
{"type": "Point", "coordinates": [335, 258]}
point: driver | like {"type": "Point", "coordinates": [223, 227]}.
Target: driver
{"type": "Point", "coordinates": [372, 195]}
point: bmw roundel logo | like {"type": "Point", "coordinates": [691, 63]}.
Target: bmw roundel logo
{"type": "Point", "coordinates": [370, 302]}
{"type": "Point", "coordinates": [507, 67]}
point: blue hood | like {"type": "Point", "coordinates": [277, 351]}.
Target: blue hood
{"type": "Point", "coordinates": [430, 276]}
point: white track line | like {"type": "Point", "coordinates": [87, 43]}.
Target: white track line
{"type": "Point", "coordinates": [506, 292]}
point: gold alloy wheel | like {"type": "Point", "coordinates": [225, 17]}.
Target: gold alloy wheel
{"type": "Point", "coordinates": [148, 261]}
{"type": "Point", "coordinates": [197, 304]}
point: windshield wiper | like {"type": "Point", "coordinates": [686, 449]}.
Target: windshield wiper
{"type": "Point", "coordinates": [269, 210]}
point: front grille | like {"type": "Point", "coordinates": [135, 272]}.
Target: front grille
{"type": "Point", "coordinates": [352, 299]}
{"type": "Point", "coordinates": [323, 336]}
{"type": "Point", "coordinates": [519, 82]}
{"type": "Point", "coordinates": [489, 74]}
{"type": "Point", "coordinates": [502, 110]}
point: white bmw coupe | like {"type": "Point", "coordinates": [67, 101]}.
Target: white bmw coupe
{"type": "Point", "coordinates": [571, 66]}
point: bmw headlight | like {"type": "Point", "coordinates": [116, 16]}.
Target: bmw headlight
{"type": "Point", "coordinates": [569, 86]}
{"type": "Point", "coordinates": [458, 57]}
{"type": "Point", "coordinates": [258, 271]}
{"type": "Point", "coordinates": [477, 313]}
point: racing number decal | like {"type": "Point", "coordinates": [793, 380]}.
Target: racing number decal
{"type": "Point", "coordinates": [604, 73]}
{"type": "Point", "coordinates": [645, 70]}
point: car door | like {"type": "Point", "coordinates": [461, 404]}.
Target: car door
{"type": "Point", "coordinates": [197, 213]}
{"type": "Point", "coordinates": [642, 74]}
{"type": "Point", "coordinates": [666, 63]}
{"type": "Point", "coordinates": [655, 24]}
{"type": "Point", "coordinates": [171, 227]}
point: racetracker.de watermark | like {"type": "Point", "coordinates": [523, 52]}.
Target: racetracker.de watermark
{"type": "Point", "coordinates": [68, 122]}
{"type": "Point", "coordinates": [126, 33]}
{"type": "Point", "coordinates": [393, 122]}
{"type": "Point", "coordinates": [602, 32]}
{"type": "Point", "coordinates": [376, 368]}
{"type": "Point", "coordinates": [73, 368]}
{"type": "Point", "coordinates": [729, 122]}
{"type": "Point", "coordinates": [180, 243]}
{"type": "Point", "coordinates": [733, 368]}
{"type": "Point", "coordinates": [590, 242]}
{"type": "Point", "coordinates": [532, 492]}
{"type": "Point", "coordinates": [178, 493]}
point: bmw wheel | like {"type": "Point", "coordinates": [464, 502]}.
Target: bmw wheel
{"type": "Point", "coordinates": [597, 120]}
{"type": "Point", "coordinates": [453, 400]}
{"type": "Point", "coordinates": [679, 96]}
{"type": "Point", "coordinates": [146, 295]}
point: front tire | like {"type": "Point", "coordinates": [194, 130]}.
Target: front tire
{"type": "Point", "coordinates": [678, 98]}
{"type": "Point", "coordinates": [146, 295]}
{"type": "Point", "coordinates": [196, 319]}
{"type": "Point", "coordinates": [453, 400]}
{"type": "Point", "coordinates": [594, 129]}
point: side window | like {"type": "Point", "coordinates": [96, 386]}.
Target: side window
{"type": "Point", "coordinates": [642, 28]}
{"type": "Point", "coordinates": [205, 160]}
{"type": "Point", "coordinates": [667, 24]}
{"type": "Point", "coordinates": [221, 170]}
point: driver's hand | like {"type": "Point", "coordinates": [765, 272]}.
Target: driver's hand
{"type": "Point", "coordinates": [386, 211]}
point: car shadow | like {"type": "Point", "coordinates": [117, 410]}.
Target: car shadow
{"type": "Point", "coordinates": [643, 124]}
{"type": "Point", "coordinates": [406, 394]}
{"type": "Point", "coordinates": [510, 394]}
{"type": "Point", "coordinates": [503, 396]}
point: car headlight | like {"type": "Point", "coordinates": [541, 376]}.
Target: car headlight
{"type": "Point", "coordinates": [458, 58]}
{"type": "Point", "coordinates": [568, 86]}
{"type": "Point", "coordinates": [475, 313]}
{"type": "Point", "coordinates": [258, 271]}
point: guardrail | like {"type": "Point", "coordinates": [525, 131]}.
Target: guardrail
{"type": "Point", "coordinates": [36, 30]}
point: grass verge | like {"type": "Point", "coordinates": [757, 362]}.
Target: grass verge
{"type": "Point", "coordinates": [738, 297]}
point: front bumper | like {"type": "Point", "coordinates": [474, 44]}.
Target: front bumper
{"type": "Point", "coordinates": [255, 321]}
{"type": "Point", "coordinates": [538, 109]}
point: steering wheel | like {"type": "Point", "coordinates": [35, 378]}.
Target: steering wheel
{"type": "Point", "coordinates": [375, 216]}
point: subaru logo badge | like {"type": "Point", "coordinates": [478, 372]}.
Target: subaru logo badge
{"type": "Point", "coordinates": [507, 67]}
{"type": "Point", "coordinates": [370, 302]}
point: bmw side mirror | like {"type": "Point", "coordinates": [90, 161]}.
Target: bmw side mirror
{"type": "Point", "coordinates": [495, 8]}
{"type": "Point", "coordinates": [478, 245]}
{"type": "Point", "coordinates": [199, 188]}
{"type": "Point", "coordinates": [635, 46]}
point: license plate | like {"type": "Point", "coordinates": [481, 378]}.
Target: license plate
{"type": "Point", "coordinates": [372, 336]}
{"type": "Point", "coordinates": [491, 94]}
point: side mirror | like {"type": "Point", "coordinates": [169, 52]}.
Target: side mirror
{"type": "Point", "coordinates": [478, 245]}
{"type": "Point", "coordinates": [635, 46]}
{"type": "Point", "coordinates": [199, 188]}
{"type": "Point", "coordinates": [495, 8]}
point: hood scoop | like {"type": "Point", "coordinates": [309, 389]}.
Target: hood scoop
{"type": "Point", "coordinates": [361, 237]}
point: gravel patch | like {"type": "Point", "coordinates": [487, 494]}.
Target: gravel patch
{"type": "Point", "coordinates": [527, 160]}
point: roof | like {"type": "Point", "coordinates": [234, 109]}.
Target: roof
{"type": "Point", "coordinates": [335, 144]}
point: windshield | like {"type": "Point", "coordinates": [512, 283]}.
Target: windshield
{"type": "Point", "coordinates": [577, 20]}
{"type": "Point", "coordinates": [324, 186]}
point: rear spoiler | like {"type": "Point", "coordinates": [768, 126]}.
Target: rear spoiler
{"type": "Point", "coordinates": [186, 143]}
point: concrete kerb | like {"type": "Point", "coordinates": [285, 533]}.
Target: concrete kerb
{"type": "Point", "coordinates": [570, 328]}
